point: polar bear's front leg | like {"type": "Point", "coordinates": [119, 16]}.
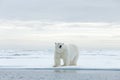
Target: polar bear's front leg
{"type": "Point", "coordinates": [56, 61]}
{"type": "Point", "coordinates": [66, 61]}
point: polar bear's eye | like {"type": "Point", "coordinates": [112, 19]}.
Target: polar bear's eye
{"type": "Point", "coordinates": [60, 46]}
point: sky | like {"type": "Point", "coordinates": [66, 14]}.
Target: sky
{"type": "Point", "coordinates": [39, 23]}
{"type": "Point", "coordinates": [61, 10]}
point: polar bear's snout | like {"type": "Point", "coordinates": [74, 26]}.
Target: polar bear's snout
{"type": "Point", "coordinates": [60, 46]}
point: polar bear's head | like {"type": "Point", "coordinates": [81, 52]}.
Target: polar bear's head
{"type": "Point", "coordinates": [59, 47]}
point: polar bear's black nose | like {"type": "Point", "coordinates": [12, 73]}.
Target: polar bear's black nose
{"type": "Point", "coordinates": [60, 46]}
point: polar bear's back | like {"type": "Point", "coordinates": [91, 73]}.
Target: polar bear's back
{"type": "Point", "coordinates": [73, 47]}
{"type": "Point", "coordinates": [73, 50]}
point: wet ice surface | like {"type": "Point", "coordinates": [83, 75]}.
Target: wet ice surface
{"type": "Point", "coordinates": [59, 75]}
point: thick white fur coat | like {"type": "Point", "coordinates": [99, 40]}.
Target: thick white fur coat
{"type": "Point", "coordinates": [68, 53]}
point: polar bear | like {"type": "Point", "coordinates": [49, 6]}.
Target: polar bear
{"type": "Point", "coordinates": [68, 53]}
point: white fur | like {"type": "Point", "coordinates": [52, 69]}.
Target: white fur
{"type": "Point", "coordinates": [68, 53]}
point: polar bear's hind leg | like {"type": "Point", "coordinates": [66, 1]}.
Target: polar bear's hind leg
{"type": "Point", "coordinates": [74, 61]}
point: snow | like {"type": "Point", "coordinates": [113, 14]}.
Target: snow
{"type": "Point", "coordinates": [101, 58]}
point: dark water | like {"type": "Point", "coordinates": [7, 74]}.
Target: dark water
{"type": "Point", "coordinates": [8, 74]}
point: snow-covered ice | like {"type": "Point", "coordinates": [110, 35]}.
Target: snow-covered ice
{"type": "Point", "coordinates": [100, 58]}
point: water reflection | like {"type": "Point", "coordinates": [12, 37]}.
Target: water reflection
{"type": "Point", "coordinates": [35, 74]}
{"type": "Point", "coordinates": [65, 71]}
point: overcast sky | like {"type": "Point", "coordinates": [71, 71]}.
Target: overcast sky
{"type": "Point", "coordinates": [61, 10]}
{"type": "Point", "coordinates": [36, 23]}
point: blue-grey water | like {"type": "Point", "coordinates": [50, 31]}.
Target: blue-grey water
{"type": "Point", "coordinates": [22, 74]}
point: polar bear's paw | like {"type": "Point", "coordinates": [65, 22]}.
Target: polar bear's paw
{"type": "Point", "coordinates": [56, 66]}
{"type": "Point", "coordinates": [73, 64]}
{"type": "Point", "coordinates": [63, 65]}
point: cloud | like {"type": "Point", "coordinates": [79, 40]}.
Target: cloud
{"type": "Point", "coordinates": [58, 28]}
{"type": "Point", "coordinates": [28, 33]}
